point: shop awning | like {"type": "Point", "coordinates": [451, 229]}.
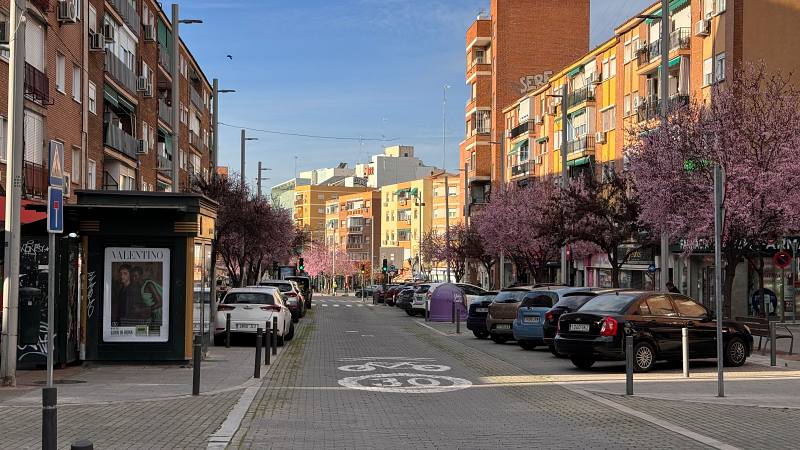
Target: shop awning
{"type": "Point", "coordinates": [25, 215]}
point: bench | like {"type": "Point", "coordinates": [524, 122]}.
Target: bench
{"type": "Point", "coordinates": [760, 327]}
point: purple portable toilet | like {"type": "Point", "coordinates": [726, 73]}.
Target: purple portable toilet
{"type": "Point", "coordinates": [442, 303]}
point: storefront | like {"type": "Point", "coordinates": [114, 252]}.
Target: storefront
{"type": "Point", "coordinates": [639, 272]}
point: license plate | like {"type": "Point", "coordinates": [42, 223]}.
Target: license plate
{"type": "Point", "coordinates": [246, 325]}
{"type": "Point", "coordinates": [503, 326]}
{"type": "Point", "coordinates": [531, 319]}
{"type": "Point", "coordinates": [579, 327]}
{"type": "Point", "coordinates": [486, 310]}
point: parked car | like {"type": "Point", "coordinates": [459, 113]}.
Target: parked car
{"type": "Point", "coordinates": [405, 298]}
{"type": "Point", "coordinates": [305, 287]}
{"type": "Point", "coordinates": [596, 332]}
{"type": "Point", "coordinates": [569, 302]}
{"type": "Point", "coordinates": [294, 299]}
{"type": "Point", "coordinates": [503, 311]}
{"type": "Point", "coordinates": [527, 327]}
{"type": "Point", "coordinates": [366, 291]}
{"type": "Point", "coordinates": [476, 314]}
{"type": "Point", "coordinates": [379, 293]}
{"type": "Point", "coordinates": [391, 293]}
{"type": "Point", "coordinates": [425, 292]}
{"type": "Point", "coordinates": [251, 307]}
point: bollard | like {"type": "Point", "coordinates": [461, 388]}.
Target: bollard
{"type": "Point", "coordinates": [458, 321]}
{"type": "Point", "coordinates": [685, 351]}
{"type": "Point", "coordinates": [772, 354]}
{"type": "Point", "coordinates": [427, 310]}
{"type": "Point", "coordinates": [49, 418]}
{"type": "Point", "coordinates": [628, 365]}
{"type": "Point", "coordinates": [275, 335]}
{"type": "Point", "coordinates": [82, 444]}
{"type": "Point", "coordinates": [257, 368]}
{"type": "Point", "coordinates": [268, 340]}
{"type": "Point", "coordinates": [228, 330]}
{"type": "Point", "coordinates": [196, 354]}
{"type": "Point", "coordinates": [453, 317]}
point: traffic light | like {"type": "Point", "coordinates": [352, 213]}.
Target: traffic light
{"type": "Point", "coordinates": [300, 265]}
{"type": "Point", "coordinates": [363, 269]}
{"type": "Point", "coordinates": [385, 266]}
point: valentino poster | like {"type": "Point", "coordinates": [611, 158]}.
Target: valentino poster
{"type": "Point", "coordinates": [136, 295]}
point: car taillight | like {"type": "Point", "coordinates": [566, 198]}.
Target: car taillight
{"type": "Point", "coordinates": [548, 316]}
{"type": "Point", "coordinates": [225, 308]}
{"type": "Point", "coordinates": [274, 308]}
{"type": "Point", "coordinates": [609, 327]}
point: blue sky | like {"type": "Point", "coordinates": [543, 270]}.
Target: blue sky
{"type": "Point", "coordinates": [345, 68]}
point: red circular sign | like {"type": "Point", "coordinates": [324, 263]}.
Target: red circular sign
{"type": "Point", "coordinates": [782, 259]}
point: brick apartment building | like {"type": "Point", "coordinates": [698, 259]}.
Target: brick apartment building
{"type": "Point", "coordinates": [98, 82]}
{"type": "Point", "coordinates": [352, 225]}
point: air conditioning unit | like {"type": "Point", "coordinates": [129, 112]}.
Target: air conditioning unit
{"type": "Point", "coordinates": [108, 32]}
{"type": "Point", "coordinates": [96, 42]}
{"type": "Point", "coordinates": [67, 11]}
{"type": "Point", "coordinates": [150, 33]}
{"type": "Point", "coordinates": [702, 27]}
{"type": "Point", "coordinates": [141, 84]}
{"type": "Point", "coordinates": [142, 149]}
{"type": "Point", "coordinates": [600, 137]}
{"type": "Point", "coordinates": [4, 32]}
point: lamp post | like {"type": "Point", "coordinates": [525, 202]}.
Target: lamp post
{"type": "Point", "coordinates": [419, 204]}
{"type": "Point", "coordinates": [176, 98]}
{"type": "Point", "coordinates": [564, 175]}
{"type": "Point", "coordinates": [259, 179]}
{"type": "Point", "coordinates": [215, 95]}
{"type": "Point", "coordinates": [502, 188]}
{"type": "Point", "coordinates": [243, 142]}
{"type": "Point", "coordinates": [446, 187]}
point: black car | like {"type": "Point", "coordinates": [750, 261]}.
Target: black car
{"type": "Point", "coordinates": [405, 298]}
{"type": "Point", "coordinates": [570, 302]}
{"type": "Point", "coordinates": [597, 331]}
{"type": "Point", "coordinates": [305, 286]}
{"type": "Point", "coordinates": [476, 317]}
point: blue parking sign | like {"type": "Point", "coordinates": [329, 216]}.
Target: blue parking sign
{"type": "Point", "coordinates": [55, 209]}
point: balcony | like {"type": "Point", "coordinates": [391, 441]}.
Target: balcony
{"type": "Point", "coordinates": [580, 95]}
{"type": "Point", "coordinates": [128, 13]}
{"type": "Point", "coordinates": [34, 179]}
{"type": "Point", "coordinates": [298, 201]}
{"type": "Point", "coordinates": [164, 163]}
{"type": "Point", "coordinates": [196, 142]}
{"type": "Point", "coordinates": [119, 140]}
{"type": "Point", "coordinates": [354, 245]}
{"type": "Point", "coordinates": [165, 111]}
{"type": "Point", "coordinates": [581, 144]}
{"type": "Point", "coordinates": [479, 64]}
{"type": "Point", "coordinates": [37, 85]}
{"type": "Point", "coordinates": [43, 5]}
{"type": "Point", "coordinates": [680, 39]}
{"type": "Point", "coordinates": [651, 108]}
{"type": "Point", "coordinates": [165, 58]}
{"type": "Point", "coordinates": [120, 72]}
{"type": "Point", "coordinates": [524, 127]}
{"type": "Point", "coordinates": [480, 32]}
{"type": "Point", "coordinates": [197, 99]}
{"type": "Point", "coordinates": [520, 169]}
{"type": "Point", "coordinates": [355, 229]}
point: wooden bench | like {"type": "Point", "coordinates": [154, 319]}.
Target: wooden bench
{"type": "Point", "coordinates": [760, 327]}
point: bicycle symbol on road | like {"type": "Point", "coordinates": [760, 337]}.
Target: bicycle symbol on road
{"type": "Point", "coordinates": [400, 382]}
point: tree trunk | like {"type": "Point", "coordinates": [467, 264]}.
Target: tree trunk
{"type": "Point", "coordinates": [616, 269]}
{"type": "Point", "coordinates": [731, 261]}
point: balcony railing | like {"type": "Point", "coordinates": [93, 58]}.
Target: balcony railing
{"type": "Point", "coordinates": [580, 95]}
{"type": "Point", "coordinates": [34, 177]}
{"type": "Point", "coordinates": [520, 169]}
{"type": "Point", "coordinates": [121, 141]}
{"type": "Point", "coordinates": [519, 129]}
{"type": "Point", "coordinates": [109, 182]}
{"type": "Point", "coordinates": [354, 245]}
{"type": "Point", "coordinates": [164, 163]}
{"type": "Point", "coordinates": [479, 60]}
{"type": "Point", "coordinates": [355, 229]}
{"type": "Point", "coordinates": [581, 144]}
{"type": "Point", "coordinates": [164, 111]}
{"type": "Point", "coordinates": [196, 98]}
{"type": "Point", "coordinates": [651, 108]}
{"type": "Point", "coordinates": [128, 13]}
{"type": "Point", "coordinates": [678, 39]}
{"type": "Point", "coordinates": [122, 73]}
{"type": "Point", "coordinates": [165, 58]}
{"type": "Point", "coordinates": [37, 85]}
{"type": "Point", "coordinates": [196, 142]}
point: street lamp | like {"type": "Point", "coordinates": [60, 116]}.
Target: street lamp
{"type": "Point", "coordinates": [244, 140]}
{"type": "Point", "coordinates": [419, 204]}
{"type": "Point", "coordinates": [564, 176]}
{"type": "Point", "coordinates": [215, 125]}
{"type": "Point", "coordinates": [176, 99]}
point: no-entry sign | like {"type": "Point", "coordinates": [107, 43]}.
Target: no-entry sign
{"type": "Point", "coordinates": [782, 259]}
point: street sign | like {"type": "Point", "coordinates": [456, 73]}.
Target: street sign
{"type": "Point", "coordinates": [55, 209]}
{"type": "Point", "coordinates": [782, 259]}
{"type": "Point", "coordinates": [56, 163]}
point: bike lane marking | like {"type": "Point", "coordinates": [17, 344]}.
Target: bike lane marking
{"type": "Point", "coordinates": [421, 381]}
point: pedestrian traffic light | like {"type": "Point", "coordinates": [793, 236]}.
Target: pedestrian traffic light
{"type": "Point", "coordinates": [300, 265]}
{"type": "Point", "coordinates": [385, 265]}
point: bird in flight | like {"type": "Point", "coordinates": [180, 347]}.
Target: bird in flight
{"type": "Point", "coordinates": [230, 57]}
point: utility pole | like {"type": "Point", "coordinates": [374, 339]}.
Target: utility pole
{"type": "Point", "coordinates": [176, 98]}
{"type": "Point", "coordinates": [259, 179]}
{"type": "Point", "coordinates": [564, 174]}
{"type": "Point", "coordinates": [718, 226]}
{"type": "Point", "coordinates": [243, 142]}
{"type": "Point", "coordinates": [16, 75]}
{"type": "Point", "coordinates": [447, 223]}
{"type": "Point", "coordinates": [665, 44]}
{"type": "Point", "coordinates": [215, 124]}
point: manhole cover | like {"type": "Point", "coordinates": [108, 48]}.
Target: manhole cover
{"type": "Point", "coordinates": [59, 382]}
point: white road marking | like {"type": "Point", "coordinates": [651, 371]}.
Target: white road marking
{"type": "Point", "coordinates": [337, 305]}
{"type": "Point", "coordinates": [405, 383]}
{"type": "Point", "coordinates": [326, 305]}
{"type": "Point", "coordinates": [351, 331]}
{"type": "Point", "coordinates": [393, 365]}
{"type": "Point", "coordinates": [367, 335]}
{"type": "Point", "coordinates": [349, 306]}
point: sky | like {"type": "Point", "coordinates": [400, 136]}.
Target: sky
{"type": "Point", "coordinates": [367, 72]}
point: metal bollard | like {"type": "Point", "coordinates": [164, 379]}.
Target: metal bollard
{"type": "Point", "coordinates": [427, 310]}
{"type": "Point", "coordinates": [628, 365]}
{"type": "Point", "coordinates": [257, 368]}
{"type": "Point", "coordinates": [453, 317]}
{"type": "Point", "coordinates": [458, 320]}
{"type": "Point", "coordinates": [82, 444]}
{"type": "Point", "coordinates": [196, 354]}
{"type": "Point", "coordinates": [228, 330]}
{"type": "Point", "coordinates": [772, 353]}
{"type": "Point", "coordinates": [49, 418]}
{"type": "Point", "coordinates": [685, 351]}
{"type": "Point", "coordinates": [267, 343]}
{"type": "Point", "coordinates": [275, 335]}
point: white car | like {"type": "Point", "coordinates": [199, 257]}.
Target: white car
{"type": "Point", "coordinates": [251, 307]}
{"type": "Point", "coordinates": [425, 291]}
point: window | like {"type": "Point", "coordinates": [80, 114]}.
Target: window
{"type": "Point", "coordinates": [182, 159]}
{"type": "Point", "coordinates": [76, 165]}
{"type": "Point", "coordinates": [92, 19]}
{"type": "Point", "coordinates": [708, 8]}
{"type": "Point", "coordinates": [4, 51]}
{"type": "Point", "coordinates": [92, 98]}
{"type": "Point", "coordinates": [688, 307]}
{"type": "Point", "coordinates": [2, 138]}
{"type": "Point", "coordinates": [609, 117]}
{"type": "Point", "coordinates": [320, 196]}
{"type": "Point", "coordinates": [605, 70]}
{"type": "Point", "coordinates": [76, 83]}
{"type": "Point", "coordinates": [91, 180]}
{"type": "Point", "coordinates": [579, 126]}
{"type": "Point", "coordinates": [60, 72]}
{"type": "Point", "coordinates": [660, 306]}
{"type": "Point", "coordinates": [626, 106]}
{"type": "Point", "coordinates": [34, 137]}
{"type": "Point", "coordinates": [34, 44]}
{"type": "Point", "coordinates": [146, 135]}
{"type": "Point", "coordinates": [634, 46]}
{"type": "Point", "coordinates": [626, 57]}
{"type": "Point", "coordinates": [557, 139]}
{"type": "Point", "coordinates": [719, 68]}
{"type": "Point", "coordinates": [612, 67]}
{"type": "Point", "coordinates": [708, 66]}
{"type": "Point", "coordinates": [452, 212]}
{"type": "Point", "coordinates": [721, 6]}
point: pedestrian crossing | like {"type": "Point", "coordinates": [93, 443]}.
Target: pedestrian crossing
{"type": "Point", "coordinates": [337, 303]}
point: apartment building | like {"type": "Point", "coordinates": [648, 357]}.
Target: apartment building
{"type": "Point", "coordinates": [352, 224]}
{"type": "Point", "coordinates": [309, 206]}
{"type": "Point", "coordinates": [97, 83]}
{"type": "Point", "coordinates": [395, 165]}
{"type": "Point", "coordinates": [617, 85]}
{"type": "Point", "coordinates": [512, 50]}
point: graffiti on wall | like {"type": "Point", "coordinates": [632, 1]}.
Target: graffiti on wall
{"type": "Point", "coordinates": [33, 289]}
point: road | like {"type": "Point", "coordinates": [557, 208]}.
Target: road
{"type": "Point", "coordinates": [362, 376]}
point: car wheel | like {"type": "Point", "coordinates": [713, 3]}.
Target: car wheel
{"type": "Point", "coordinates": [644, 357]}
{"type": "Point", "coordinates": [499, 339]}
{"type": "Point", "coordinates": [555, 352]}
{"type": "Point", "coordinates": [527, 345]}
{"type": "Point", "coordinates": [295, 319]}
{"type": "Point", "coordinates": [290, 336]}
{"type": "Point", "coordinates": [735, 353]}
{"type": "Point", "coordinates": [480, 334]}
{"type": "Point", "coordinates": [410, 312]}
{"type": "Point", "coordinates": [582, 362]}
